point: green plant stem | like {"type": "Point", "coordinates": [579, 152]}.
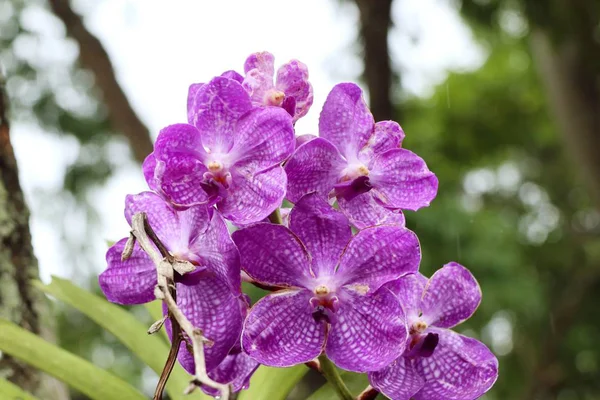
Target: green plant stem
{"type": "Point", "coordinates": [275, 217]}
{"type": "Point", "coordinates": [333, 377]}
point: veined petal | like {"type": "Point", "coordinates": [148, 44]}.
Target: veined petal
{"type": "Point", "coordinates": [236, 369]}
{"type": "Point", "coordinates": [218, 106]}
{"type": "Point", "coordinates": [191, 101]}
{"type": "Point", "coordinates": [300, 140]}
{"type": "Point", "coordinates": [211, 307]}
{"type": "Point", "coordinates": [131, 281]}
{"type": "Point", "coordinates": [324, 231]}
{"type": "Point", "coordinates": [263, 61]}
{"type": "Point", "coordinates": [451, 297]}
{"type": "Point", "coordinates": [280, 330]}
{"type": "Point", "coordinates": [378, 255]}
{"type": "Point", "coordinates": [315, 167]}
{"type": "Point", "coordinates": [214, 249]}
{"type": "Point", "coordinates": [273, 255]}
{"type": "Point", "coordinates": [259, 69]}
{"type": "Point", "coordinates": [401, 179]}
{"type": "Point", "coordinates": [148, 168]}
{"type": "Point", "coordinates": [460, 368]}
{"type": "Point", "coordinates": [231, 74]}
{"type": "Point", "coordinates": [161, 216]}
{"type": "Point", "coordinates": [264, 137]}
{"type": "Point", "coordinates": [253, 195]}
{"type": "Point", "coordinates": [398, 381]}
{"type": "Point", "coordinates": [387, 135]}
{"type": "Point", "coordinates": [346, 120]}
{"type": "Point", "coordinates": [369, 331]}
{"type": "Point", "coordinates": [409, 291]}
{"type": "Point", "coordinates": [364, 211]}
{"type": "Point", "coordinates": [292, 79]}
{"type": "Point", "coordinates": [179, 140]}
{"type": "Point", "coordinates": [180, 180]}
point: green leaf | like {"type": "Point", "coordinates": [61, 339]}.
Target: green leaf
{"type": "Point", "coordinates": [355, 382]}
{"type": "Point", "coordinates": [273, 383]}
{"type": "Point", "coordinates": [10, 391]}
{"type": "Point", "coordinates": [151, 349]}
{"type": "Point", "coordinates": [90, 380]}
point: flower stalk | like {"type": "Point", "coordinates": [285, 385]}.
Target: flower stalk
{"type": "Point", "coordinates": [333, 377]}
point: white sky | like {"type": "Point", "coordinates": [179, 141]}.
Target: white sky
{"type": "Point", "coordinates": [158, 48]}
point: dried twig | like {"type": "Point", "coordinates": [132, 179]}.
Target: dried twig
{"type": "Point", "coordinates": [167, 267]}
{"type": "Point", "coordinates": [370, 393]}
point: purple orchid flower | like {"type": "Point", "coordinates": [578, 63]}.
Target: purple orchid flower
{"type": "Point", "coordinates": [291, 89]}
{"type": "Point", "coordinates": [236, 370]}
{"type": "Point", "coordinates": [210, 296]}
{"type": "Point", "coordinates": [360, 162]}
{"type": "Point", "coordinates": [438, 364]}
{"type": "Point", "coordinates": [332, 299]}
{"type": "Point", "coordinates": [230, 154]}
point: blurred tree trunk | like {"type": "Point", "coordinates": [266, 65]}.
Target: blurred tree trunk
{"type": "Point", "coordinates": [94, 57]}
{"type": "Point", "coordinates": [569, 65]}
{"type": "Point", "coordinates": [20, 301]}
{"type": "Point", "coordinates": [375, 22]}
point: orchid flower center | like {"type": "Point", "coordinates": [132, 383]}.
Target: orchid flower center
{"type": "Point", "coordinates": [324, 303]}
{"type": "Point", "coordinates": [217, 173]}
{"type": "Point", "coordinates": [421, 343]}
{"type": "Point", "coordinates": [274, 97]}
{"type": "Point", "coordinates": [354, 171]}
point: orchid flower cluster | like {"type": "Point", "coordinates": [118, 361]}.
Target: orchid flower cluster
{"type": "Point", "coordinates": [342, 267]}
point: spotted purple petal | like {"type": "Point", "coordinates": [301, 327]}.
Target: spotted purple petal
{"type": "Point", "coordinates": [409, 290]}
{"type": "Point", "coordinates": [218, 106]}
{"type": "Point", "coordinates": [386, 135]}
{"type": "Point", "coordinates": [292, 79]}
{"type": "Point", "coordinates": [264, 137]}
{"type": "Point", "coordinates": [191, 100]}
{"type": "Point", "coordinates": [369, 331]}
{"type": "Point", "coordinates": [378, 255]}
{"type": "Point", "coordinates": [262, 61]}
{"type": "Point", "coordinates": [273, 255]}
{"type": "Point", "coordinates": [460, 368]}
{"type": "Point", "coordinates": [253, 195]}
{"type": "Point", "coordinates": [401, 179]}
{"type": "Point", "coordinates": [364, 211]}
{"type": "Point", "coordinates": [346, 120]}
{"type": "Point", "coordinates": [180, 180]}
{"type": "Point", "coordinates": [300, 140]}
{"type": "Point", "coordinates": [280, 330]}
{"type": "Point", "coordinates": [231, 74]}
{"type": "Point", "coordinates": [161, 216]}
{"type": "Point", "coordinates": [211, 307]}
{"type": "Point", "coordinates": [131, 281]}
{"type": "Point", "coordinates": [315, 166]}
{"type": "Point", "coordinates": [451, 297]}
{"type": "Point", "coordinates": [323, 230]}
{"type": "Point", "coordinates": [235, 370]}
{"type": "Point", "coordinates": [213, 247]}
{"type": "Point", "coordinates": [148, 169]}
{"type": "Point", "coordinates": [398, 381]}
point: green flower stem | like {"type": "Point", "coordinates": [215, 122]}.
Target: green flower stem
{"type": "Point", "coordinates": [275, 217]}
{"type": "Point", "coordinates": [333, 377]}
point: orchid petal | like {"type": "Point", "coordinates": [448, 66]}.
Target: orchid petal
{"type": "Point", "coordinates": [451, 297]}
{"type": "Point", "coordinates": [369, 331]}
{"type": "Point", "coordinates": [346, 120]}
{"type": "Point", "coordinates": [401, 179]}
{"type": "Point", "coordinates": [398, 381]}
{"type": "Point", "coordinates": [323, 230]}
{"type": "Point", "coordinates": [315, 166]}
{"type": "Point", "coordinates": [378, 255]}
{"type": "Point", "coordinates": [280, 330]}
{"type": "Point", "coordinates": [131, 281]}
{"type": "Point", "coordinates": [364, 211]}
{"type": "Point", "coordinates": [273, 255]}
